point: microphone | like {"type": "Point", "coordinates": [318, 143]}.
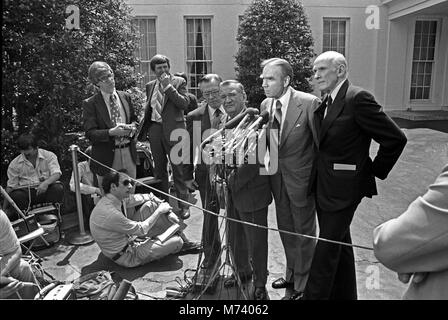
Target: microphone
{"type": "Point", "coordinates": [265, 118]}
{"type": "Point", "coordinates": [235, 121]}
{"type": "Point", "coordinates": [262, 119]}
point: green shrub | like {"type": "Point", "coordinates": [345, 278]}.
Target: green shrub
{"type": "Point", "coordinates": [45, 70]}
{"type": "Point", "coordinates": [268, 29]}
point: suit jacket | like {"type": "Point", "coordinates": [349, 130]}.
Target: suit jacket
{"type": "Point", "coordinates": [250, 190]}
{"type": "Point", "coordinates": [193, 104]}
{"type": "Point", "coordinates": [96, 126]}
{"type": "Point", "coordinates": [417, 241]}
{"type": "Point", "coordinates": [175, 102]}
{"type": "Point", "coordinates": [296, 148]}
{"type": "Point", "coordinates": [200, 114]}
{"type": "Point", "coordinates": [343, 172]}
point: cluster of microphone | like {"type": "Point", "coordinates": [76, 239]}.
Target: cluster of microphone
{"type": "Point", "coordinates": [238, 137]}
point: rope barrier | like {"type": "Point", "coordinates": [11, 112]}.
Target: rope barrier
{"type": "Point", "coordinates": [232, 219]}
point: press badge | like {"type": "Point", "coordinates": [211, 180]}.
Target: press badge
{"type": "Point", "coordinates": [343, 166]}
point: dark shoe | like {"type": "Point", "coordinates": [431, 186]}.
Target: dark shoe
{"type": "Point", "coordinates": [294, 295]}
{"type": "Point", "coordinates": [261, 294]}
{"type": "Point", "coordinates": [232, 281]}
{"type": "Point", "coordinates": [281, 283]}
{"type": "Point", "coordinates": [190, 247]}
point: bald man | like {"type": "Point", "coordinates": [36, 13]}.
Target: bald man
{"type": "Point", "coordinates": [347, 121]}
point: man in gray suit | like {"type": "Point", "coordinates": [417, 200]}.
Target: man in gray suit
{"type": "Point", "coordinates": [291, 144]}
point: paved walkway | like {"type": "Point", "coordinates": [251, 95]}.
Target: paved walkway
{"type": "Point", "coordinates": [422, 159]}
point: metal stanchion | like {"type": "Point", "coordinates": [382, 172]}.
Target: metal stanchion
{"type": "Point", "coordinates": [81, 237]}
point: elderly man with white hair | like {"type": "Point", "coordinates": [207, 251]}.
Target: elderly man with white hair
{"type": "Point", "coordinates": [347, 121]}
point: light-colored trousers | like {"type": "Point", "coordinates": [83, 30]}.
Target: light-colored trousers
{"type": "Point", "coordinates": [299, 251]}
{"type": "Point", "coordinates": [150, 249]}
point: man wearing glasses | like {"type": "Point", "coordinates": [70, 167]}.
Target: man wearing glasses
{"type": "Point", "coordinates": [146, 235]}
{"type": "Point", "coordinates": [210, 115]}
{"type": "Point", "coordinates": [109, 123]}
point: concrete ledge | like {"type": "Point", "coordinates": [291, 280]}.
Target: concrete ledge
{"type": "Point", "coordinates": [418, 115]}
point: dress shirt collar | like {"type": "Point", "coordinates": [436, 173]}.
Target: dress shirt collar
{"type": "Point", "coordinates": [114, 200]}
{"type": "Point", "coordinates": [335, 91]}
{"type": "Point", "coordinates": [39, 156]}
{"type": "Point", "coordinates": [211, 111]}
{"type": "Point", "coordinates": [106, 96]}
{"type": "Point", "coordinates": [284, 99]}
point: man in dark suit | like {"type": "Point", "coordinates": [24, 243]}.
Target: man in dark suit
{"type": "Point", "coordinates": [292, 114]}
{"type": "Point", "coordinates": [109, 123]}
{"type": "Point", "coordinates": [200, 122]}
{"type": "Point", "coordinates": [249, 196]}
{"type": "Point", "coordinates": [164, 113]}
{"type": "Point", "coordinates": [343, 173]}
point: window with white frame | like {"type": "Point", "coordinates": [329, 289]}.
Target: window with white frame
{"type": "Point", "coordinates": [335, 35]}
{"type": "Point", "coordinates": [423, 59]}
{"type": "Point", "coordinates": [147, 48]}
{"type": "Point", "coordinates": [199, 51]}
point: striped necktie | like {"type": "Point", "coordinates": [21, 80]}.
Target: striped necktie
{"type": "Point", "coordinates": [157, 102]}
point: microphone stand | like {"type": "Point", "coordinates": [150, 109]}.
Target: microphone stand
{"type": "Point", "coordinates": [229, 258]}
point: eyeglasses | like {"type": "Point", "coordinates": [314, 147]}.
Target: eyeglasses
{"type": "Point", "coordinates": [106, 78]}
{"type": "Point", "coordinates": [210, 93]}
{"type": "Point", "coordinates": [128, 182]}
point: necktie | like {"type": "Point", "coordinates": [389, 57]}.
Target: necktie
{"type": "Point", "coordinates": [329, 102]}
{"type": "Point", "coordinates": [277, 123]}
{"type": "Point", "coordinates": [114, 111]}
{"type": "Point", "coordinates": [123, 209]}
{"type": "Point", "coordinates": [274, 134]}
{"type": "Point", "coordinates": [157, 101]}
{"type": "Point", "coordinates": [216, 119]}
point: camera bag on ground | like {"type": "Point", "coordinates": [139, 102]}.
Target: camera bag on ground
{"type": "Point", "coordinates": [101, 285]}
{"type": "Point", "coordinates": [48, 217]}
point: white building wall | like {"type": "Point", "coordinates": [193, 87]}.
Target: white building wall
{"type": "Point", "coordinates": [362, 42]}
{"type": "Point", "coordinates": [380, 60]}
{"type": "Point", "coordinates": [170, 28]}
{"type": "Point", "coordinates": [400, 43]}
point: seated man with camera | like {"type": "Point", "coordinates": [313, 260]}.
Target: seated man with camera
{"type": "Point", "coordinates": [148, 234]}
{"type": "Point", "coordinates": [33, 176]}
